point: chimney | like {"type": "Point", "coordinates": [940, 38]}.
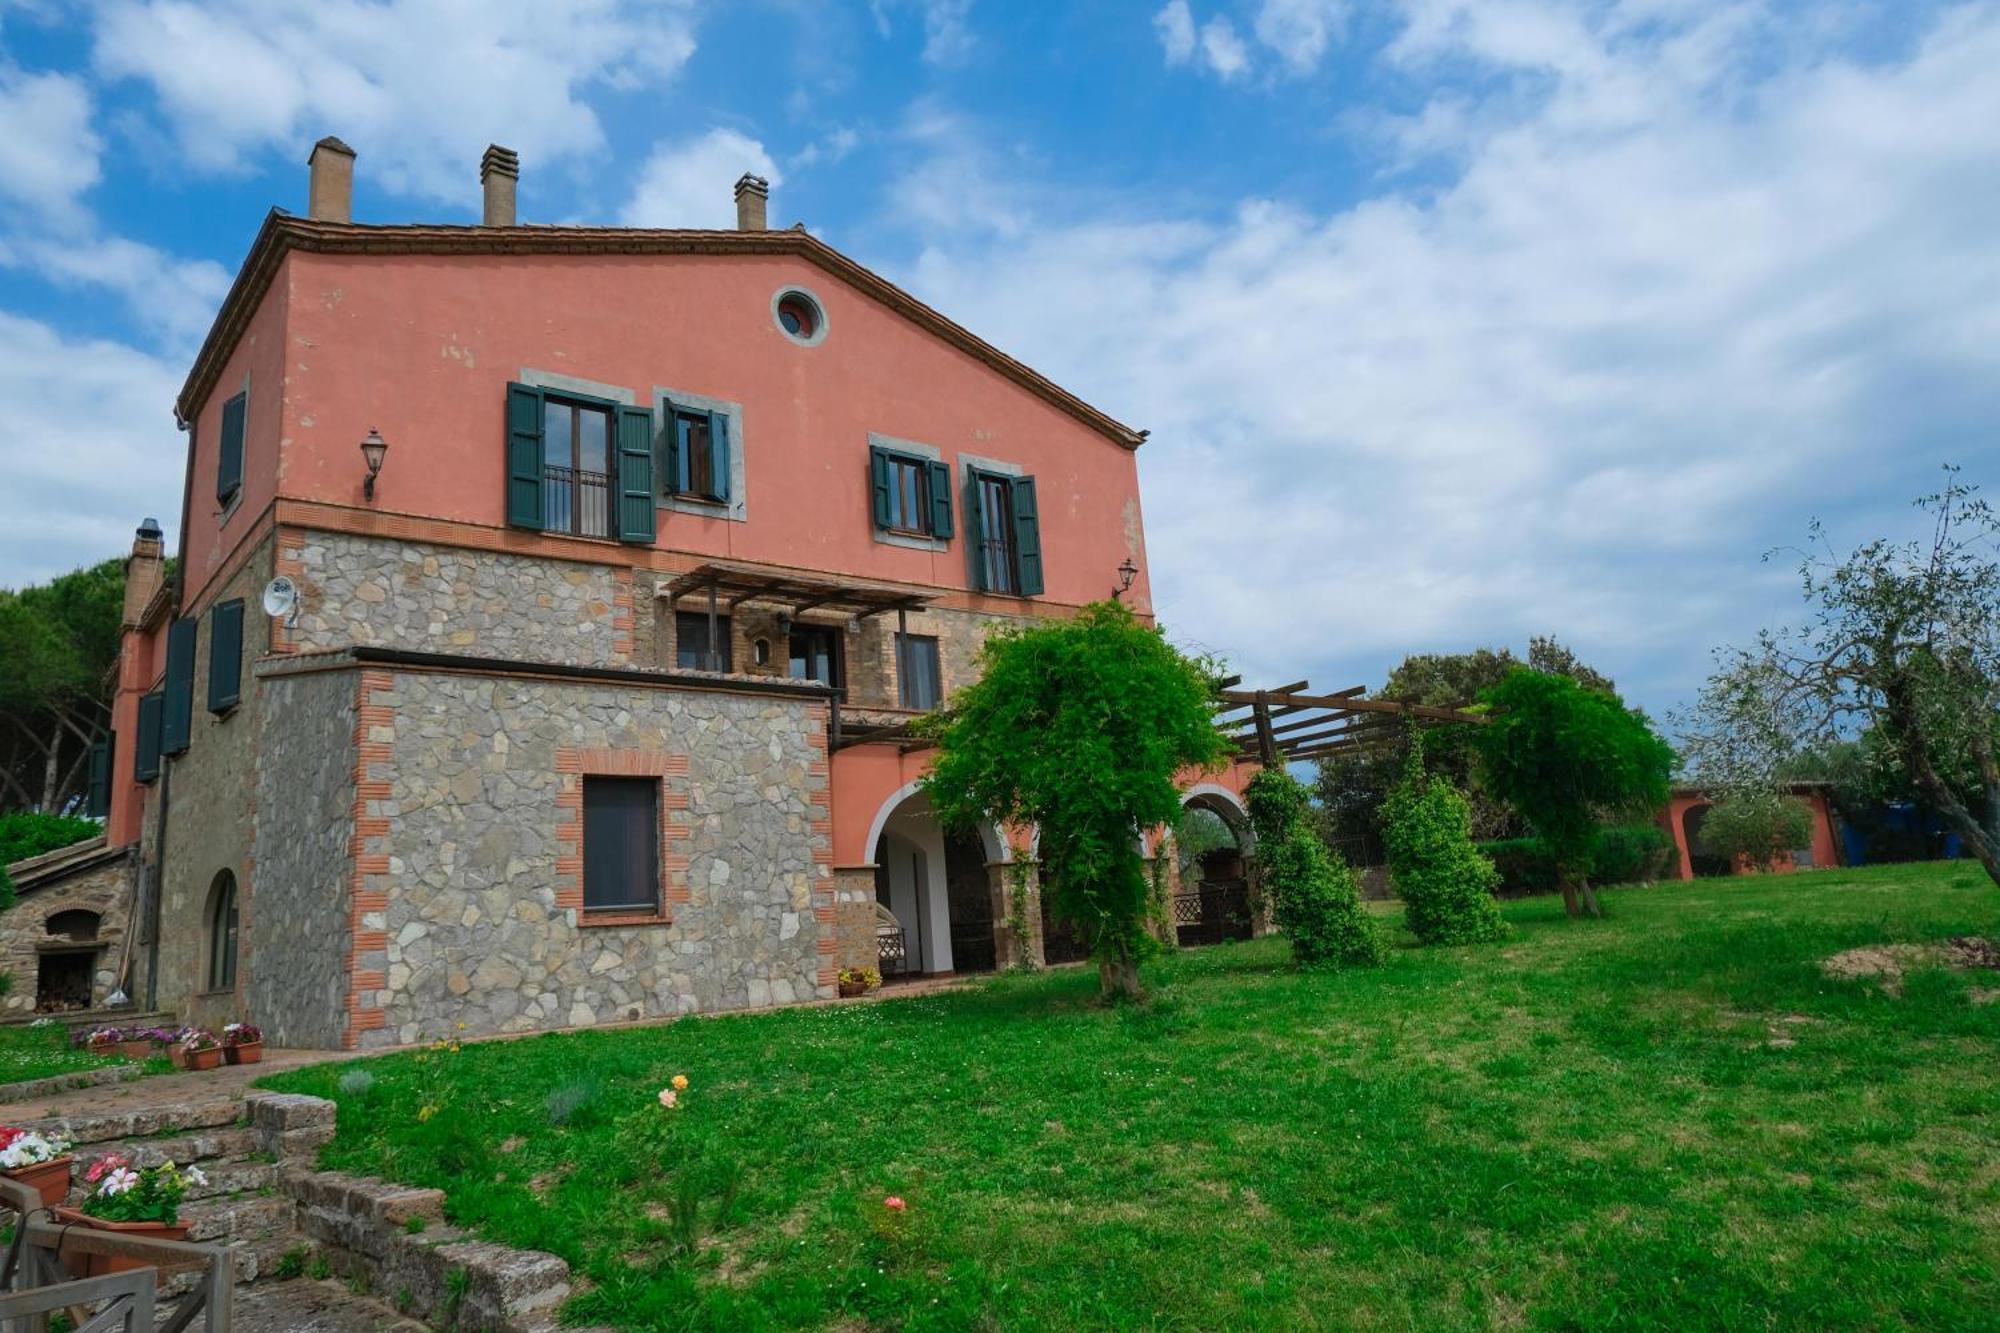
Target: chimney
{"type": "Point", "coordinates": [144, 570]}
{"type": "Point", "coordinates": [330, 196]}
{"type": "Point", "coordinates": [499, 173]}
{"type": "Point", "coordinates": [753, 193]}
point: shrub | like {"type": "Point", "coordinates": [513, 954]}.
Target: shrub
{"type": "Point", "coordinates": [1621, 854]}
{"type": "Point", "coordinates": [1445, 883]}
{"type": "Point", "coordinates": [26, 833]}
{"type": "Point", "coordinates": [1524, 865]}
{"type": "Point", "coordinates": [1755, 827]}
{"type": "Point", "coordinates": [1312, 890]}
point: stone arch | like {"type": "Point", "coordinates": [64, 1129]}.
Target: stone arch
{"type": "Point", "coordinates": [1226, 803]}
{"type": "Point", "coordinates": [79, 924]}
{"type": "Point", "coordinates": [998, 850]}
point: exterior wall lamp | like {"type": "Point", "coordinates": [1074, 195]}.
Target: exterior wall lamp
{"type": "Point", "coordinates": [373, 450]}
{"type": "Point", "coordinates": [1127, 571]}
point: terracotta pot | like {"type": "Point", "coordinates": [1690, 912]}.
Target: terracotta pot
{"type": "Point", "coordinates": [97, 1265]}
{"type": "Point", "coordinates": [50, 1178]}
{"type": "Point", "coordinates": [244, 1053]}
{"type": "Point", "coordinates": [135, 1050]}
{"type": "Point", "coordinates": [207, 1059]}
{"type": "Point", "coordinates": [850, 989]}
{"type": "Point", "coordinates": [179, 1055]}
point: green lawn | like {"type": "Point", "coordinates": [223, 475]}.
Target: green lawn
{"type": "Point", "coordinates": [28, 1052]}
{"type": "Point", "coordinates": [1669, 1118]}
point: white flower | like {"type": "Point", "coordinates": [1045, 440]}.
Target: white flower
{"type": "Point", "coordinates": [119, 1181]}
{"type": "Point", "coordinates": [195, 1177]}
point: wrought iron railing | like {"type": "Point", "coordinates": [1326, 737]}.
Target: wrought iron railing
{"type": "Point", "coordinates": [37, 1275]}
{"type": "Point", "coordinates": [576, 501]}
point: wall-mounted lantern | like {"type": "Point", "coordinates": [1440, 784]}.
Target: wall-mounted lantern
{"type": "Point", "coordinates": [1127, 571]}
{"type": "Point", "coordinates": [373, 450]}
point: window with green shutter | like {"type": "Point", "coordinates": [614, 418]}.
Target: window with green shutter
{"type": "Point", "coordinates": [635, 474]}
{"type": "Point", "coordinates": [103, 753]}
{"type": "Point", "coordinates": [698, 462]}
{"type": "Point", "coordinates": [225, 656]}
{"type": "Point", "coordinates": [229, 454]}
{"type": "Point", "coordinates": [911, 493]}
{"type": "Point", "coordinates": [146, 754]}
{"type": "Point", "coordinates": [524, 456]}
{"type": "Point", "coordinates": [579, 464]}
{"type": "Point", "coordinates": [177, 719]}
{"type": "Point", "coordinates": [1003, 530]}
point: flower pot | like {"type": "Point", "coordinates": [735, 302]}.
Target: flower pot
{"type": "Point", "coordinates": [244, 1053]}
{"type": "Point", "coordinates": [135, 1050]}
{"type": "Point", "coordinates": [850, 989]}
{"type": "Point", "coordinates": [50, 1178]}
{"type": "Point", "coordinates": [207, 1059]}
{"type": "Point", "coordinates": [97, 1265]}
{"type": "Point", "coordinates": [179, 1055]}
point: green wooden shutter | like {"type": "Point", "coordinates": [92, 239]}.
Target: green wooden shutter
{"type": "Point", "coordinates": [718, 453]}
{"type": "Point", "coordinates": [670, 451]}
{"type": "Point", "coordinates": [177, 719]}
{"type": "Point", "coordinates": [1027, 538]}
{"type": "Point", "coordinates": [940, 488]}
{"type": "Point", "coordinates": [975, 530]}
{"type": "Point", "coordinates": [101, 753]}
{"type": "Point", "coordinates": [635, 474]}
{"type": "Point", "coordinates": [229, 458]}
{"type": "Point", "coordinates": [146, 754]}
{"type": "Point", "coordinates": [225, 657]}
{"type": "Point", "coordinates": [524, 456]}
{"type": "Point", "coordinates": [878, 472]}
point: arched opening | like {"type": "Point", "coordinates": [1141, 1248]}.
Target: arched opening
{"type": "Point", "coordinates": [78, 925]}
{"type": "Point", "coordinates": [1214, 845]}
{"type": "Point", "coordinates": [937, 890]}
{"type": "Point", "coordinates": [222, 937]}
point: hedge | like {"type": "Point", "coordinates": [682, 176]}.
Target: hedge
{"type": "Point", "coordinates": [1625, 854]}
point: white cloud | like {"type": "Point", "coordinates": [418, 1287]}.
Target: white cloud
{"type": "Point", "coordinates": [1711, 278]}
{"type": "Point", "coordinates": [418, 87]}
{"type": "Point", "coordinates": [104, 452]}
{"type": "Point", "coordinates": [1175, 24]}
{"type": "Point", "coordinates": [48, 148]}
{"type": "Point", "coordinates": [948, 38]}
{"type": "Point", "coordinates": [838, 143]}
{"type": "Point", "coordinates": [1298, 31]}
{"type": "Point", "coordinates": [172, 299]}
{"type": "Point", "coordinates": [690, 183]}
{"type": "Point", "coordinates": [1223, 49]}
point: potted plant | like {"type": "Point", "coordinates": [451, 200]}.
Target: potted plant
{"type": "Point", "coordinates": [101, 1041]}
{"type": "Point", "coordinates": [242, 1043]}
{"type": "Point", "coordinates": [132, 1202]}
{"type": "Point", "coordinates": [200, 1048]}
{"type": "Point", "coordinates": [38, 1161]}
{"type": "Point", "coordinates": [858, 980]}
{"type": "Point", "coordinates": [135, 1043]}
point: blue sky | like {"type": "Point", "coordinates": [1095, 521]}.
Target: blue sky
{"type": "Point", "coordinates": [1453, 322]}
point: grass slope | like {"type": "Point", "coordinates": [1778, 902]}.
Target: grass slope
{"type": "Point", "coordinates": [1669, 1118]}
{"type": "Point", "coordinates": [28, 1052]}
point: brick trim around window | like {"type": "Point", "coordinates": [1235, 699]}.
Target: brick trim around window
{"type": "Point", "coordinates": [676, 827]}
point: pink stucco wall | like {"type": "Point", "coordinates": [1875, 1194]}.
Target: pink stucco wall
{"type": "Point", "coordinates": [258, 366]}
{"type": "Point", "coordinates": [1825, 850]}
{"type": "Point", "coordinates": [422, 347]}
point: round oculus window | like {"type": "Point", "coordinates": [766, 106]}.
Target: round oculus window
{"type": "Point", "coordinates": [799, 315]}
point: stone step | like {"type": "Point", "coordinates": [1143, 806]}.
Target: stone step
{"type": "Point", "coordinates": [229, 1178]}
{"type": "Point", "coordinates": [203, 1146]}
{"type": "Point", "coordinates": [152, 1122]}
{"type": "Point", "coordinates": [221, 1220]}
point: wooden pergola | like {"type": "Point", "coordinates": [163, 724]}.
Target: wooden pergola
{"type": "Point", "coordinates": [1291, 723]}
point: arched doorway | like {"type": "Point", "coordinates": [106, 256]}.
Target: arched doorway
{"type": "Point", "coordinates": [1213, 851]}
{"type": "Point", "coordinates": [939, 888]}
{"type": "Point", "coordinates": [1701, 860]}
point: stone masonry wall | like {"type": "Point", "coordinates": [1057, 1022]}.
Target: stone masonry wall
{"type": "Point", "coordinates": [211, 812]}
{"type": "Point", "coordinates": [297, 943]}
{"type": "Point", "coordinates": [102, 885]}
{"type": "Point", "coordinates": [377, 591]}
{"type": "Point", "coordinates": [871, 654]}
{"type": "Point", "coordinates": [483, 866]}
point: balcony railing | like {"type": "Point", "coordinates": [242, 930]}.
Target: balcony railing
{"type": "Point", "coordinates": [576, 501]}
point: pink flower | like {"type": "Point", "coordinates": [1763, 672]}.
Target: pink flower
{"type": "Point", "coordinates": [669, 1098]}
{"type": "Point", "coordinates": [894, 1203]}
{"type": "Point", "coordinates": [98, 1168]}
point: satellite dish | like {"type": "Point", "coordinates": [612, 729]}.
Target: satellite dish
{"type": "Point", "coordinates": [281, 598]}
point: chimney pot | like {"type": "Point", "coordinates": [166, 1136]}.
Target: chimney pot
{"type": "Point", "coordinates": [330, 191]}
{"type": "Point", "coordinates": [145, 571]}
{"type": "Point", "coordinates": [753, 196]}
{"type": "Point", "coordinates": [499, 174]}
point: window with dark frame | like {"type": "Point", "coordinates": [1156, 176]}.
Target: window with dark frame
{"type": "Point", "coordinates": [691, 646]}
{"type": "Point", "coordinates": [621, 844]}
{"type": "Point", "coordinates": [222, 932]}
{"type": "Point", "coordinates": [995, 497]}
{"type": "Point", "coordinates": [698, 463]}
{"type": "Point", "coordinates": [577, 443]}
{"type": "Point", "coordinates": [909, 496]}
{"type": "Point", "coordinates": [816, 654]}
{"type": "Point", "coordinates": [918, 678]}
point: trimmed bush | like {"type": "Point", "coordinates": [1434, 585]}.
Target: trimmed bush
{"type": "Point", "coordinates": [1313, 894]}
{"type": "Point", "coordinates": [1622, 854]}
{"type": "Point", "coordinates": [1445, 883]}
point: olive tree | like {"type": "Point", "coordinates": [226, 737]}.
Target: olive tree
{"type": "Point", "coordinates": [1080, 727]}
{"type": "Point", "coordinates": [1900, 647]}
{"type": "Point", "coordinates": [1566, 757]}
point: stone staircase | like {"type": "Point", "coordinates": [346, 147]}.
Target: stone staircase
{"type": "Point", "coordinates": [242, 1145]}
{"type": "Point", "coordinates": [264, 1200]}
